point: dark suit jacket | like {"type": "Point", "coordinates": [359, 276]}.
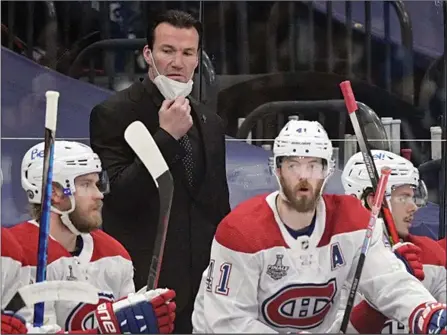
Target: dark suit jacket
{"type": "Point", "coordinates": [131, 209]}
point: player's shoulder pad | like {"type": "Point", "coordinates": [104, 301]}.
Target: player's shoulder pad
{"type": "Point", "coordinates": [344, 214]}
{"type": "Point", "coordinates": [432, 252]}
{"type": "Point", "coordinates": [106, 246]}
{"type": "Point", "coordinates": [10, 246]}
{"type": "Point", "coordinates": [250, 227]}
{"type": "Point", "coordinates": [27, 234]}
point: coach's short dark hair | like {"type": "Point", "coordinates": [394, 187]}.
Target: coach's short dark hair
{"type": "Point", "coordinates": [176, 18]}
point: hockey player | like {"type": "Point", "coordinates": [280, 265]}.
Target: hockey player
{"type": "Point", "coordinates": [15, 274]}
{"type": "Point", "coordinates": [422, 256]}
{"type": "Point", "coordinates": [279, 261]}
{"type": "Point", "coordinates": [78, 250]}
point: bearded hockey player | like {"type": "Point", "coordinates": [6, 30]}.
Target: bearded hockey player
{"type": "Point", "coordinates": [79, 251]}
{"type": "Point", "coordinates": [15, 274]}
{"type": "Point", "coordinates": [421, 255]}
{"type": "Point", "coordinates": [279, 261]}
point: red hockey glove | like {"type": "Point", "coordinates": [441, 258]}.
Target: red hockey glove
{"type": "Point", "coordinates": [13, 324]}
{"type": "Point", "coordinates": [410, 255]}
{"type": "Point", "coordinates": [429, 318]}
{"type": "Point", "coordinates": [151, 312]}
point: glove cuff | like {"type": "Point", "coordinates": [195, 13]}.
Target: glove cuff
{"type": "Point", "coordinates": [422, 315]}
{"type": "Point", "coordinates": [106, 319]}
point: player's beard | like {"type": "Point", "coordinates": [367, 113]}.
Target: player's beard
{"type": "Point", "coordinates": [87, 223]}
{"type": "Point", "coordinates": [302, 203]}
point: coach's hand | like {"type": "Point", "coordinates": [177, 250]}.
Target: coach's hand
{"type": "Point", "coordinates": [151, 312]}
{"type": "Point", "coordinates": [175, 117]}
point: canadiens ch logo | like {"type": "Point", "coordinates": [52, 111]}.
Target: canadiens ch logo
{"type": "Point", "coordinates": [82, 316]}
{"type": "Point", "coordinates": [300, 306]}
{"type": "Point", "coordinates": [71, 276]}
{"type": "Point", "coordinates": [277, 270]}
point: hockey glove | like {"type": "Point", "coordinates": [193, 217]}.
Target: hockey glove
{"type": "Point", "coordinates": [409, 254]}
{"type": "Point", "coordinates": [15, 324]}
{"type": "Point", "coordinates": [152, 312]}
{"type": "Point", "coordinates": [429, 318]}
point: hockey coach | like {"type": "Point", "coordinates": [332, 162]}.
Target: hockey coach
{"type": "Point", "coordinates": [191, 139]}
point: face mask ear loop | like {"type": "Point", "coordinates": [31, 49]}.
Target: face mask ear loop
{"type": "Point", "coordinates": [153, 64]}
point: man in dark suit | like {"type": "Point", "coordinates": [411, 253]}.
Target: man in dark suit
{"type": "Point", "coordinates": [191, 139]}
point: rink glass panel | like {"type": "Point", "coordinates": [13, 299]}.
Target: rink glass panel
{"type": "Point", "coordinates": [259, 58]}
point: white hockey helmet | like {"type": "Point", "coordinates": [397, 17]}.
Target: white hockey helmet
{"type": "Point", "coordinates": [355, 177]}
{"type": "Point", "coordinates": [71, 159]}
{"type": "Point", "coordinates": [304, 139]}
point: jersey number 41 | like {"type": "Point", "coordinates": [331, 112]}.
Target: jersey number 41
{"type": "Point", "coordinates": [222, 286]}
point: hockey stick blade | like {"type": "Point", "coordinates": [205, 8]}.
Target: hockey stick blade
{"type": "Point", "coordinates": [52, 98]}
{"type": "Point", "coordinates": [352, 107]}
{"type": "Point", "coordinates": [377, 204]}
{"type": "Point", "coordinates": [142, 142]}
{"type": "Point", "coordinates": [144, 146]}
{"type": "Point", "coordinates": [55, 290]}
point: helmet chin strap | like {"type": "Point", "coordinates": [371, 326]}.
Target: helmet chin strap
{"type": "Point", "coordinates": [65, 217]}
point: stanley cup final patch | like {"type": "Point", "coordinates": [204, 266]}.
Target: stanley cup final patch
{"type": "Point", "coordinates": [278, 270]}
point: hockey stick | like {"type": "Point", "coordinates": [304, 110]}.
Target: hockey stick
{"type": "Point", "coordinates": [54, 290]}
{"type": "Point", "coordinates": [141, 141]}
{"type": "Point", "coordinates": [52, 98]}
{"type": "Point", "coordinates": [377, 204]}
{"type": "Point", "coordinates": [351, 106]}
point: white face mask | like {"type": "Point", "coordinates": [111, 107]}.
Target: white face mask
{"type": "Point", "coordinates": [170, 88]}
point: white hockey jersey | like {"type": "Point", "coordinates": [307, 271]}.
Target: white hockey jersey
{"type": "Point", "coordinates": [262, 280]}
{"type": "Point", "coordinates": [14, 274]}
{"type": "Point", "coordinates": [103, 262]}
{"type": "Point", "coordinates": [433, 259]}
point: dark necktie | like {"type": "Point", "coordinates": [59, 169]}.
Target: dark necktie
{"type": "Point", "coordinates": [187, 160]}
